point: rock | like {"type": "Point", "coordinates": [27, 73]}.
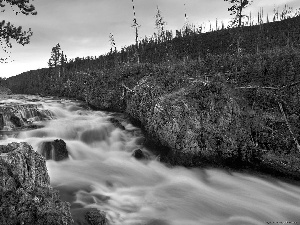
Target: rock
{"type": "Point", "coordinates": [198, 123]}
{"type": "Point", "coordinates": [26, 194]}
{"type": "Point", "coordinates": [96, 217]}
{"type": "Point", "coordinates": [14, 115]}
{"type": "Point", "coordinates": [116, 123]}
{"type": "Point", "coordinates": [55, 150]}
{"type": "Point", "coordinates": [89, 216]}
{"type": "Point", "coordinates": [140, 155]}
{"type": "Point", "coordinates": [16, 121]}
{"type": "Point", "coordinates": [2, 124]}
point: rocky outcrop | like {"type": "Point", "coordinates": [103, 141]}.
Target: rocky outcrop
{"type": "Point", "coordinates": [209, 123]}
{"type": "Point", "coordinates": [16, 116]}
{"type": "Point", "coordinates": [201, 122]}
{"type": "Point", "coordinates": [26, 194]}
{"type": "Point", "coordinates": [55, 150]}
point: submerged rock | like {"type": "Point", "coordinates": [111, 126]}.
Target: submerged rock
{"type": "Point", "coordinates": [26, 194]}
{"type": "Point", "coordinates": [140, 155]}
{"type": "Point", "coordinates": [55, 150]}
{"type": "Point", "coordinates": [96, 217]}
{"type": "Point", "coordinates": [16, 121]}
{"type": "Point", "coordinates": [89, 216]}
{"type": "Point", "coordinates": [116, 123]}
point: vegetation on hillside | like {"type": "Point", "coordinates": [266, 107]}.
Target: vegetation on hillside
{"type": "Point", "coordinates": [245, 75]}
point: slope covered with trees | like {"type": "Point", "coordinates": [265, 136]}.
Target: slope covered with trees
{"type": "Point", "coordinates": [238, 90]}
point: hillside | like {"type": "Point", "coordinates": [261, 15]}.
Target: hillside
{"type": "Point", "coordinates": [196, 95]}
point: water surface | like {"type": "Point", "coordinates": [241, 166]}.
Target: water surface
{"type": "Point", "coordinates": [102, 173]}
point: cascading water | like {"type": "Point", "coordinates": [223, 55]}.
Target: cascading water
{"type": "Point", "coordinates": [102, 173]}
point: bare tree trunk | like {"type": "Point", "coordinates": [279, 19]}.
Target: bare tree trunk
{"type": "Point", "coordinates": [240, 13]}
{"type": "Point", "coordinates": [289, 126]}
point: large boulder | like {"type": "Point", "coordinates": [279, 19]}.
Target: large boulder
{"type": "Point", "coordinates": [55, 150]}
{"type": "Point", "coordinates": [26, 194]}
{"type": "Point", "coordinates": [205, 123]}
{"type": "Point", "coordinates": [200, 122]}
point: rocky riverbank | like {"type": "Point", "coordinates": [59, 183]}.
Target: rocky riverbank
{"type": "Point", "coordinates": [211, 122]}
{"type": "Point", "coordinates": [26, 194]}
{"type": "Point", "coordinates": [201, 124]}
{"type": "Point", "coordinates": [27, 197]}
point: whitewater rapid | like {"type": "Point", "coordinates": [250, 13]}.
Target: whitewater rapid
{"type": "Point", "coordinates": [101, 173]}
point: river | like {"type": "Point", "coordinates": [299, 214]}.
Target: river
{"type": "Point", "coordinates": [102, 173]}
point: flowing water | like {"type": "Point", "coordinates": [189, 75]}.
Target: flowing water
{"type": "Point", "coordinates": [102, 173]}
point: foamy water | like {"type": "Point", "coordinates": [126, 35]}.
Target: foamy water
{"type": "Point", "coordinates": [102, 173]}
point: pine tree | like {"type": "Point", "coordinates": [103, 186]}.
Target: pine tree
{"type": "Point", "coordinates": [9, 31]}
{"type": "Point", "coordinates": [160, 24]}
{"type": "Point", "coordinates": [63, 62]}
{"type": "Point", "coordinates": [187, 28]}
{"type": "Point", "coordinates": [136, 26]}
{"type": "Point", "coordinates": [236, 9]}
{"type": "Point", "coordinates": [54, 60]}
{"type": "Point", "coordinates": [113, 47]}
{"type": "Point", "coordinates": [57, 60]}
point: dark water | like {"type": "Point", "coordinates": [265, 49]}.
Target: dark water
{"type": "Point", "coordinates": [102, 173]}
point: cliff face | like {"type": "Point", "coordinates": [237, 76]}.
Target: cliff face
{"type": "Point", "coordinates": [26, 195]}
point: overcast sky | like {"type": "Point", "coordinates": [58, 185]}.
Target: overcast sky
{"type": "Point", "coordinates": [82, 27]}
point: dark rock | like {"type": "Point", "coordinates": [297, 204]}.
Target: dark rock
{"type": "Point", "coordinates": [55, 150]}
{"type": "Point", "coordinates": [26, 194]}
{"type": "Point", "coordinates": [140, 155]}
{"type": "Point", "coordinates": [89, 216]}
{"type": "Point", "coordinates": [116, 123]}
{"type": "Point", "coordinates": [16, 121]}
{"type": "Point", "coordinates": [1, 122]}
{"type": "Point", "coordinates": [96, 217]}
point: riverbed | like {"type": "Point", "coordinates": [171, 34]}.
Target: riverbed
{"type": "Point", "coordinates": [102, 173]}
